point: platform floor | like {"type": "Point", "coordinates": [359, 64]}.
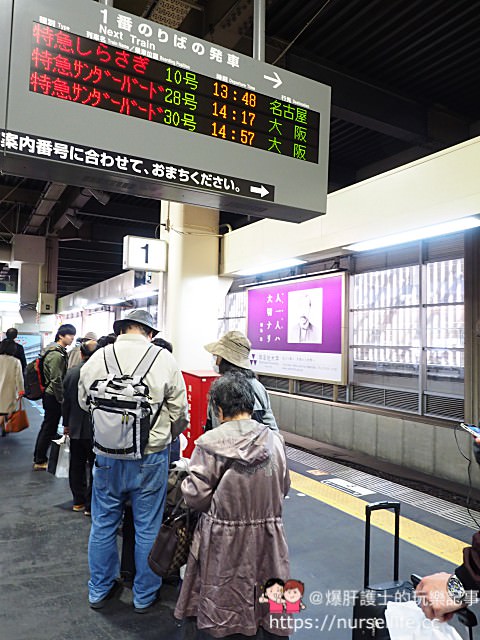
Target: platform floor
{"type": "Point", "coordinates": [43, 551]}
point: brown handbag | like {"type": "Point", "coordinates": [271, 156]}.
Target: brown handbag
{"type": "Point", "coordinates": [17, 421]}
{"type": "Point", "coordinates": [172, 544]}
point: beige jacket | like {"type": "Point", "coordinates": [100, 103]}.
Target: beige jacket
{"type": "Point", "coordinates": [11, 382]}
{"type": "Point", "coordinates": [164, 380]}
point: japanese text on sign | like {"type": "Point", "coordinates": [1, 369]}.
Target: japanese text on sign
{"type": "Point", "coordinates": [80, 70]}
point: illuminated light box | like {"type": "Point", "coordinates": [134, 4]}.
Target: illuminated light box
{"type": "Point", "coordinates": [298, 329]}
{"type": "Point", "coordinates": [72, 68]}
{"type": "Point", "coordinates": [107, 100]}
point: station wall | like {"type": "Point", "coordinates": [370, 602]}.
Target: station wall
{"type": "Point", "coordinates": [408, 442]}
{"type": "Point", "coordinates": [439, 188]}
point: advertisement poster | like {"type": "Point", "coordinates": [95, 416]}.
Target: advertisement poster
{"type": "Point", "coordinates": [297, 328]}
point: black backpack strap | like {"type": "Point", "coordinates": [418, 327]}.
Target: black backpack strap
{"type": "Point", "coordinates": [111, 361]}
{"type": "Point", "coordinates": [146, 362]}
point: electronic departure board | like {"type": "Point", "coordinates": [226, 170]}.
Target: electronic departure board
{"type": "Point", "coordinates": [99, 98]}
{"type": "Point", "coordinates": [69, 67]}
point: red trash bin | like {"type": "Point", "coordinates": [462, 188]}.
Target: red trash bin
{"type": "Point", "coordinates": [197, 384]}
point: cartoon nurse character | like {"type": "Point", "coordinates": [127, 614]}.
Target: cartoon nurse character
{"type": "Point", "coordinates": [293, 591]}
{"type": "Point", "coordinates": [272, 593]}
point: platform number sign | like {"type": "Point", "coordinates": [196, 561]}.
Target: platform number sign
{"type": "Point", "coordinates": [146, 254]}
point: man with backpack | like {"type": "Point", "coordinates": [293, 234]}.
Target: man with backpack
{"type": "Point", "coordinates": [136, 395]}
{"type": "Point", "coordinates": [54, 368]}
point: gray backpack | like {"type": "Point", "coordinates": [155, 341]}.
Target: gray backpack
{"type": "Point", "coordinates": [120, 408]}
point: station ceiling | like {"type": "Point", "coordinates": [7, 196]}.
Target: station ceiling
{"type": "Point", "coordinates": [404, 78]}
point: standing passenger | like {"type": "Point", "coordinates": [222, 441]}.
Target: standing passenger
{"type": "Point", "coordinates": [238, 478]}
{"type": "Point", "coordinates": [77, 424]}
{"type": "Point", "coordinates": [232, 354]}
{"type": "Point", "coordinates": [11, 335]}
{"type": "Point", "coordinates": [11, 380]}
{"type": "Point", "coordinates": [143, 481]}
{"type": "Point", "coordinates": [75, 357]}
{"type": "Point", "coordinates": [54, 370]}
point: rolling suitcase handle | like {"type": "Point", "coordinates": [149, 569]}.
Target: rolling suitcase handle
{"type": "Point", "coordinates": [376, 506]}
{"type": "Point", "coordinates": [465, 615]}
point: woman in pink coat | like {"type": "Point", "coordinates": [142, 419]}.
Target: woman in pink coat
{"type": "Point", "coordinates": [238, 478]}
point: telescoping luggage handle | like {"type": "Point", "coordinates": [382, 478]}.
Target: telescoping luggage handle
{"type": "Point", "coordinates": [376, 506]}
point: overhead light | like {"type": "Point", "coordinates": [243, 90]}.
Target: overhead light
{"type": "Point", "coordinates": [444, 228]}
{"type": "Point", "coordinates": [112, 301]}
{"type": "Point", "coordinates": [274, 266]}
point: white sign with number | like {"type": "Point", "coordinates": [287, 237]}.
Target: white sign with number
{"type": "Point", "coordinates": [146, 254]}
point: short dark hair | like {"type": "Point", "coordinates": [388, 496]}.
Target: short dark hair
{"type": "Point", "coordinates": [272, 581]}
{"type": "Point", "coordinates": [233, 394]}
{"type": "Point", "coordinates": [164, 344]}
{"type": "Point", "coordinates": [65, 330]}
{"type": "Point", "coordinates": [104, 340]}
{"type": "Point", "coordinates": [11, 334]}
{"type": "Point", "coordinates": [8, 347]}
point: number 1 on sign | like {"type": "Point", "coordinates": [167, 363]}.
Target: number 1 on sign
{"type": "Point", "coordinates": [145, 248]}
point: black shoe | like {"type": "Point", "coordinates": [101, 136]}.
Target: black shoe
{"type": "Point", "coordinates": [115, 591]}
{"type": "Point", "coordinates": [149, 606]}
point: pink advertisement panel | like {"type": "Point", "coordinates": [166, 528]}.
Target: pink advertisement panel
{"type": "Point", "coordinates": [297, 328]}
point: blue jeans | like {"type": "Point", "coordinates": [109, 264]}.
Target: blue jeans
{"type": "Point", "coordinates": [144, 483]}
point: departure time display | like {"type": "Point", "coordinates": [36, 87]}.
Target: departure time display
{"type": "Point", "coordinates": [77, 69]}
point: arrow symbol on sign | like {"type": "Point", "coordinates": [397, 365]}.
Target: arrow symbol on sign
{"type": "Point", "coordinates": [262, 192]}
{"type": "Point", "coordinates": [276, 80]}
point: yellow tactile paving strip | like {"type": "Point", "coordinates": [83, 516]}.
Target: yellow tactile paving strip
{"type": "Point", "coordinates": [429, 540]}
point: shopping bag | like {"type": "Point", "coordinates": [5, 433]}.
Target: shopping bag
{"type": "Point", "coordinates": [53, 454]}
{"type": "Point", "coordinates": [59, 457]}
{"type": "Point", "coordinates": [17, 421]}
{"type": "Point", "coordinates": [63, 463]}
{"type": "Point", "coordinates": [406, 621]}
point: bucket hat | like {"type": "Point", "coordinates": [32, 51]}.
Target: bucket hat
{"type": "Point", "coordinates": [234, 347]}
{"type": "Point", "coordinates": [140, 317]}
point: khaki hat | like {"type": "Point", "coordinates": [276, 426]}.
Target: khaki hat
{"type": "Point", "coordinates": [140, 317]}
{"type": "Point", "coordinates": [234, 347]}
{"type": "Point", "coordinates": [90, 335]}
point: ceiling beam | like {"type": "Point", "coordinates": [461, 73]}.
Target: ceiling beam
{"type": "Point", "coordinates": [107, 234]}
{"type": "Point", "coordinates": [87, 257]}
{"type": "Point", "coordinates": [121, 212]}
{"type": "Point", "coordinates": [11, 195]}
{"type": "Point", "coordinates": [376, 108]}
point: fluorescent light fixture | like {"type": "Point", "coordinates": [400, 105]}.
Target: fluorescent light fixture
{"type": "Point", "coordinates": [112, 301]}
{"type": "Point", "coordinates": [274, 266]}
{"type": "Point", "coordinates": [444, 228]}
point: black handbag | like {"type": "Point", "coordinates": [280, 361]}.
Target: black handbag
{"type": "Point", "coordinates": [172, 544]}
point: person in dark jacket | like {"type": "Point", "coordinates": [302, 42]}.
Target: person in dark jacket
{"type": "Point", "coordinates": [11, 335]}
{"type": "Point", "coordinates": [77, 425]}
{"type": "Point", "coordinates": [54, 370]}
